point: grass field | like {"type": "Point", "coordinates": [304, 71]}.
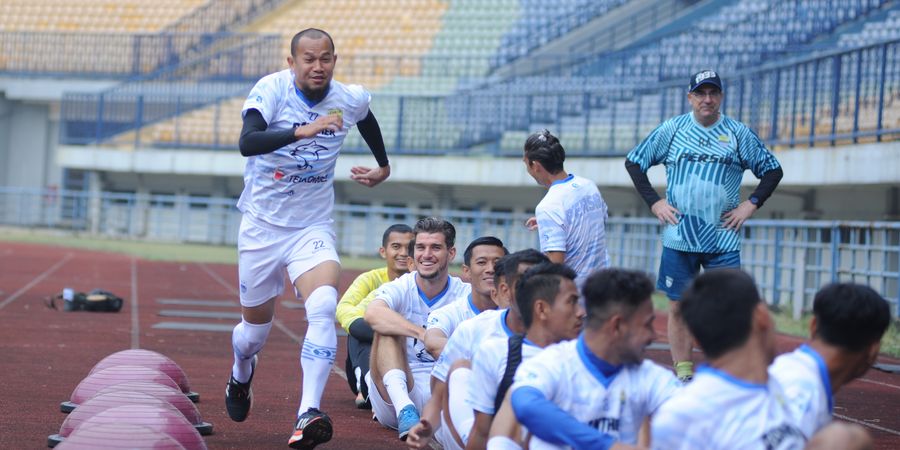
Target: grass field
{"type": "Point", "coordinates": [165, 251]}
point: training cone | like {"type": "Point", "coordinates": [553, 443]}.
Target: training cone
{"type": "Point", "coordinates": [93, 383]}
{"type": "Point", "coordinates": [171, 395]}
{"type": "Point", "coordinates": [161, 420]}
{"type": "Point", "coordinates": [153, 360]}
{"type": "Point", "coordinates": [119, 436]}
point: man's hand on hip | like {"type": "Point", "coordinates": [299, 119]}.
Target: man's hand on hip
{"type": "Point", "coordinates": [666, 213]}
{"type": "Point", "coordinates": [736, 217]}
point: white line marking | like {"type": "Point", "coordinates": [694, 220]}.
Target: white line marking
{"type": "Point", "coordinates": [37, 280]}
{"type": "Point", "coordinates": [867, 424]}
{"type": "Point", "coordinates": [135, 322]}
{"type": "Point", "coordinates": [278, 324]}
{"type": "Point", "coordinates": [879, 383]}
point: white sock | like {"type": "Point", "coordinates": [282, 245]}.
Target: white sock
{"type": "Point", "coordinates": [247, 339]}
{"type": "Point", "coordinates": [358, 373]}
{"type": "Point", "coordinates": [319, 346]}
{"type": "Point", "coordinates": [397, 388]}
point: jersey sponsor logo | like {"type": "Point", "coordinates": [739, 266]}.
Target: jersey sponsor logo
{"type": "Point", "coordinates": [705, 158]}
{"type": "Point", "coordinates": [311, 179]}
{"type": "Point", "coordinates": [306, 154]}
{"type": "Point", "coordinates": [278, 174]}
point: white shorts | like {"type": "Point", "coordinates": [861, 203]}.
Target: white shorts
{"type": "Point", "coordinates": [265, 250]}
{"type": "Point", "coordinates": [384, 410]}
{"type": "Point", "coordinates": [462, 415]}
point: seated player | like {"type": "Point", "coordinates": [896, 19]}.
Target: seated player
{"type": "Point", "coordinates": [478, 268]}
{"type": "Point", "coordinates": [732, 402]}
{"type": "Point", "coordinates": [595, 391]}
{"type": "Point", "coordinates": [462, 345]}
{"type": "Point", "coordinates": [548, 300]}
{"type": "Point", "coordinates": [847, 325]}
{"type": "Point", "coordinates": [350, 309]}
{"type": "Point", "coordinates": [400, 367]}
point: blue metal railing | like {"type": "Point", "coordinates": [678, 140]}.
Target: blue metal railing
{"type": "Point", "coordinates": [790, 259]}
{"type": "Point", "coordinates": [845, 96]}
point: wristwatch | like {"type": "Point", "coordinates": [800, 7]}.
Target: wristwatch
{"type": "Point", "coordinates": [755, 200]}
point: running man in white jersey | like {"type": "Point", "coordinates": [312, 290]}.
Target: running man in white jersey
{"type": "Point", "coordinates": [571, 218]}
{"type": "Point", "coordinates": [295, 122]}
{"type": "Point", "coordinates": [732, 403]}
{"type": "Point", "coordinates": [452, 368]}
{"type": "Point", "coordinates": [705, 154]}
{"type": "Point", "coordinates": [595, 391]}
{"type": "Point", "coordinates": [548, 300]}
{"type": "Point", "coordinates": [847, 325]}
{"type": "Point", "coordinates": [400, 368]}
{"type": "Point", "coordinates": [479, 259]}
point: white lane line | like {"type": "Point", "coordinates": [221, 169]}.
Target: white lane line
{"type": "Point", "coordinates": [894, 386]}
{"type": "Point", "coordinates": [278, 324]}
{"type": "Point", "coordinates": [867, 424]}
{"type": "Point", "coordinates": [36, 280]}
{"type": "Point", "coordinates": [135, 322]}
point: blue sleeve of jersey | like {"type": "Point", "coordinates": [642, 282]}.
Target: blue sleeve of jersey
{"type": "Point", "coordinates": [756, 157]}
{"type": "Point", "coordinates": [550, 423]}
{"type": "Point", "coordinates": [653, 149]}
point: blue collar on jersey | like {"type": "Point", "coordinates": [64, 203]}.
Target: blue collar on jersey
{"type": "Point", "coordinates": [564, 180]}
{"type": "Point", "coordinates": [309, 102]}
{"type": "Point", "coordinates": [731, 378]}
{"type": "Point", "coordinates": [431, 301]}
{"type": "Point", "coordinates": [472, 305]}
{"type": "Point", "coordinates": [823, 373]}
{"type": "Point", "coordinates": [527, 342]}
{"type": "Point", "coordinates": [503, 323]}
{"type": "Point", "coordinates": [603, 371]}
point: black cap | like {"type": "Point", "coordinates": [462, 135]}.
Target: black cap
{"type": "Point", "coordinates": [707, 76]}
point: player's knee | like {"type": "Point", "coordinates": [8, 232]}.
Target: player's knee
{"type": "Point", "coordinates": [249, 338]}
{"type": "Point", "coordinates": [321, 305]}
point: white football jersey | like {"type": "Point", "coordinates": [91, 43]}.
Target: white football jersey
{"type": "Point", "coordinates": [719, 411]}
{"type": "Point", "coordinates": [468, 336]}
{"type": "Point", "coordinates": [404, 297]}
{"type": "Point", "coordinates": [293, 186]}
{"type": "Point", "coordinates": [804, 379]}
{"type": "Point", "coordinates": [615, 406]}
{"type": "Point", "coordinates": [488, 367]}
{"type": "Point", "coordinates": [572, 219]}
{"type": "Point", "coordinates": [447, 318]}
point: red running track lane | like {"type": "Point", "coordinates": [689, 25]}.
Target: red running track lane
{"type": "Point", "coordinates": [47, 352]}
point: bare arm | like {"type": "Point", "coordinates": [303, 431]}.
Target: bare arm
{"type": "Point", "coordinates": [435, 340]}
{"type": "Point", "coordinates": [388, 322]}
{"type": "Point", "coordinates": [557, 257]}
{"type": "Point", "coordinates": [478, 437]}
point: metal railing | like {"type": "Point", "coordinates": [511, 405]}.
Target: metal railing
{"type": "Point", "coordinates": [843, 97]}
{"type": "Point", "coordinates": [789, 259]}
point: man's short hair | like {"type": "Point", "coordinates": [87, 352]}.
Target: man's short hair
{"type": "Point", "coordinates": [850, 316]}
{"type": "Point", "coordinates": [540, 282]}
{"type": "Point", "coordinates": [611, 291]}
{"type": "Point", "coordinates": [395, 228]}
{"type": "Point", "coordinates": [507, 267]}
{"type": "Point", "coordinates": [484, 240]}
{"type": "Point", "coordinates": [718, 309]}
{"type": "Point", "coordinates": [436, 225]}
{"type": "Point", "coordinates": [312, 33]}
{"type": "Point", "coordinates": [545, 148]}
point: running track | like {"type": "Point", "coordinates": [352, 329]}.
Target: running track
{"type": "Point", "coordinates": [47, 352]}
